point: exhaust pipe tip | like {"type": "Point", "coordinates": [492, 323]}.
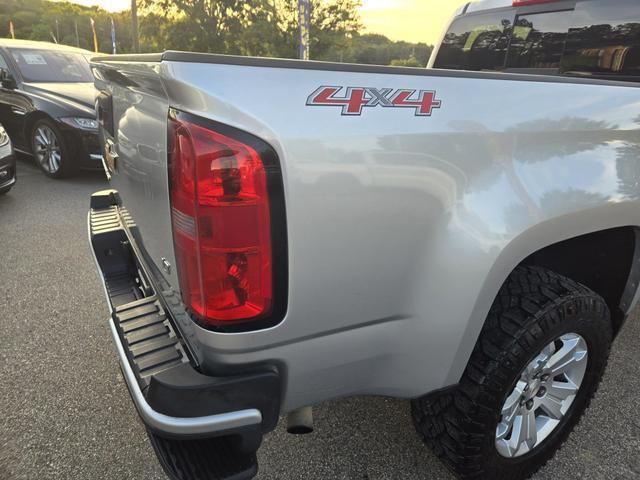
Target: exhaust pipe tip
{"type": "Point", "coordinates": [300, 422]}
{"type": "Point", "coordinates": [299, 429]}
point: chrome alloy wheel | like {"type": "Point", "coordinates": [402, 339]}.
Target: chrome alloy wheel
{"type": "Point", "coordinates": [542, 396]}
{"type": "Point", "coordinates": [47, 148]}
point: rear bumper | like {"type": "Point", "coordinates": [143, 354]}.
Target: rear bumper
{"type": "Point", "coordinates": [179, 426]}
{"type": "Point", "coordinates": [175, 401]}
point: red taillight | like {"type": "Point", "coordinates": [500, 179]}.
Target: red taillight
{"type": "Point", "coordinates": [221, 224]}
{"type": "Point", "coordinates": [524, 3]}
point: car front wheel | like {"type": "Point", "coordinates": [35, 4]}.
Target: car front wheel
{"type": "Point", "coordinates": [49, 150]}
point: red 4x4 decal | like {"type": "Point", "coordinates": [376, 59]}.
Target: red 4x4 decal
{"type": "Point", "coordinates": [355, 99]}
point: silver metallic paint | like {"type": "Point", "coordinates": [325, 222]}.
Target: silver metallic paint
{"type": "Point", "coordinates": [401, 229]}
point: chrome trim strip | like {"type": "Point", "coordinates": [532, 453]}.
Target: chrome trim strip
{"type": "Point", "coordinates": [95, 156]}
{"type": "Point", "coordinates": [175, 425]}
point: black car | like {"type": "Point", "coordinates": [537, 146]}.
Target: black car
{"type": "Point", "coordinates": [47, 105]}
{"type": "Point", "coordinates": [7, 163]}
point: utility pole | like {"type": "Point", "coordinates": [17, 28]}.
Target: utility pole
{"type": "Point", "coordinates": [134, 26]}
{"type": "Point", "coordinates": [304, 24]}
{"type": "Point", "coordinates": [57, 31]}
{"type": "Point", "coordinates": [77, 36]}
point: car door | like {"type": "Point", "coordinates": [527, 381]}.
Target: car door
{"type": "Point", "coordinates": [14, 107]}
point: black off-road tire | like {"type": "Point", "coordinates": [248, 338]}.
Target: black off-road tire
{"type": "Point", "coordinates": [5, 190]}
{"type": "Point", "coordinates": [533, 308]}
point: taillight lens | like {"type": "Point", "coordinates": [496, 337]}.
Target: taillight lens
{"type": "Point", "coordinates": [221, 224]}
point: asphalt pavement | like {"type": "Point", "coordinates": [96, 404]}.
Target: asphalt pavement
{"type": "Point", "coordinates": [65, 412]}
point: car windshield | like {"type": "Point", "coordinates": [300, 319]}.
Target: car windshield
{"type": "Point", "coordinates": [51, 65]}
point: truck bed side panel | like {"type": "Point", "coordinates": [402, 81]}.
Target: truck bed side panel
{"type": "Point", "coordinates": [401, 228]}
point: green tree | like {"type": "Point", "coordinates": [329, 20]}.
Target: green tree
{"type": "Point", "coordinates": [213, 25]}
{"type": "Point", "coordinates": [406, 62]}
{"type": "Point", "coordinates": [256, 27]}
{"type": "Point", "coordinates": [378, 49]}
{"type": "Point", "coordinates": [259, 27]}
{"type": "Point", "coordinates": [333, 24]}
{"type": "Point", "coordinates": [36, 20]}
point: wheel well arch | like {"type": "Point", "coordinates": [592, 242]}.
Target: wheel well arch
{"type": "Point", "coordinates": [607, 261]}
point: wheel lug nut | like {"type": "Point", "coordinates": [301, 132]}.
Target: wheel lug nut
{"type": "Point", "coordinates": [541, 392]}
{"type": "Point", "coordinates": [529, 404]}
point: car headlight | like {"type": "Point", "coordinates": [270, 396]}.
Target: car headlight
{"type": "Point", "coordinates": [4, 137]}
{"type": "Point", "coordinates": [82, 123]}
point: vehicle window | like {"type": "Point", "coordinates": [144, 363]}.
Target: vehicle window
{"type": "Point", "coordinates": [51, 65]}
{"type": "Point", "coordinates": [604, 40]}
{"type": "Point", "coordinates": [3, 63]}
{"type": "Point", "coordinates": [538, 41]}
{"type": "Point", "coordinates": [476, 42]}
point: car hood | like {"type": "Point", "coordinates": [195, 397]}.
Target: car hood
{"type": "Point", "coordinates": [78, 95]}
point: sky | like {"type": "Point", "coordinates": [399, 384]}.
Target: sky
{"type": "Point", "coordinates": [410, 20]}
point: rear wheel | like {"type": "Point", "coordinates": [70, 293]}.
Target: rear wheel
{"type": "Point", "coordinates": [533, 372]}
{"type": "Point", "coordinates": [49, 150]}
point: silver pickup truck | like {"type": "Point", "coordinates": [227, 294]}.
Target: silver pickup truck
{"type": "Point", "coordinates": [281, 233]}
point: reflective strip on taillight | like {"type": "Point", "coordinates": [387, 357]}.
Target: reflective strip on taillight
{"type": "Point", "coordinates": [221, 217]}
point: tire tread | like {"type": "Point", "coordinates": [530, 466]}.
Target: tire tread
{"type": "Point", "coordinates": [453, 423]}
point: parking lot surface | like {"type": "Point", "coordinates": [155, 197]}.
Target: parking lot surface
{"type": "Point", "coordinates": [66, 412]}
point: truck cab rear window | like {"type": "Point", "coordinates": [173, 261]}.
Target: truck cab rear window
{"type": "Point", "coordinates": [476, 42]}
{"type": "Point", "coordinates": [538, 41]}
{"type": "Point", "coordinates": [599, 38]}
{"type": "Point", "coordinates": [604, 40]}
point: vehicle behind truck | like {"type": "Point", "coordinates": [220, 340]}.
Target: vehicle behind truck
{"type": "Point", "coordinates": [281, 233]}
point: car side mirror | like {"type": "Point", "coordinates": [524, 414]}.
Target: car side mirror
{"type": "Point", "coordinates": [7, 80]}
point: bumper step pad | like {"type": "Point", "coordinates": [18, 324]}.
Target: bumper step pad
{"type": "Point", "coordinates": [203, 459]}
{"type": "Point", "coordinates": [148, 338]}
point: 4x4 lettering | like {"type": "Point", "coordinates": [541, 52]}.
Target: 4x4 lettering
{"type": "Point", "coordinates": [424, 102]}
{"type": "Point", "coordinates": [352, 103]}
{"type": "Point", "coordinates": [356, 98]}
{"type": "Point", "coordinates": [380, 96]}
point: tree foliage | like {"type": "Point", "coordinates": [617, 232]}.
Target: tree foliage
{"type": "Point", "coordinates": [36, 20]}
{"type": "Point", "coordinates": [256, 27]}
